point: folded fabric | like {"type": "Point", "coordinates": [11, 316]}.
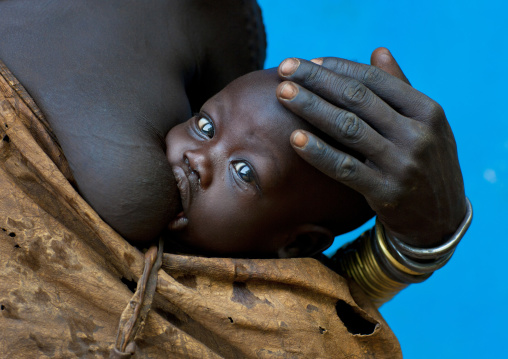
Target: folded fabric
{"type": "Point", "coordinates": [66, 277]}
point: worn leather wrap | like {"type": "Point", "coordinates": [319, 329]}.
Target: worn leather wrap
{"type": "Point", "coordinates": [64, 275]}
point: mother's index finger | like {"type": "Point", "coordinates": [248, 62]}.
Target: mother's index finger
{"type": "Point", "coordinates": [334, 163]}
{"type": "Point", "coordinates": [347, 93]}
{"type": "Point", "coordinates": [395, 92]}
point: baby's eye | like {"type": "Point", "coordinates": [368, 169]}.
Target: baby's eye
{"type": "Point", "coordinates": [244, 171]}
{"type": "Point", "coordinates": [206, 126]}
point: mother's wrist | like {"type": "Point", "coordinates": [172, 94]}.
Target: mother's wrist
{"type": "Point", "coordinates": [436, 254]}
{"type": "Point", "coordinates": [434, 230]}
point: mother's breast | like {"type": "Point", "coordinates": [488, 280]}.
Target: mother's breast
{"type": "Point", "coordinates": [114, 143]}
{"type": "Point", "coordinates": [110, 92]}
{"type": "Point", "coordinates": [129, 182]}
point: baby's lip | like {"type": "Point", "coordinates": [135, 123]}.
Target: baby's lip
{"type": "Point", "coordinates": [183, 184]}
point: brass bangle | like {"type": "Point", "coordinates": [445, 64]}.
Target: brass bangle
{"type": "Point", "coordinates": [381, 240]}
{"type": "Point", "coordinates": [372, 264]}
{"type": "Point", "coordinates": [357, 260]}
{"type": "Point", "coordinates": [421, 267]}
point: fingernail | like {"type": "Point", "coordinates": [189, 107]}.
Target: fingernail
{"type": "Point", "coordinates": [318, 61]}
{"type": "Point", "coordinates": [288, 91]}
{"type": "Point", "coordinates": [384, 54]}
{"type": "Point", "coordinates": [385, 57]}
{"type": "Point", "coordinates": [288, 66]}
{"type": "Point", "coordinates": [300, 139]}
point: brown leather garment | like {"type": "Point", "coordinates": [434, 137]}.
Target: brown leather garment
{"type": "Point", "coordinates": [65, 277]}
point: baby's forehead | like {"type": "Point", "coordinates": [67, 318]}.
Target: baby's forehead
{"type": "Point", "coordinates": [252, 99]}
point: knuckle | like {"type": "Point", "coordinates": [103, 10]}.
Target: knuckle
{"type": "Point", "coordinates": [408, 168]}
{"type": "Point", "coordinates": [419, 140]}
{"type": "Point", "coordinates": [345, 168]}
{"type": "Point", "coordinates": [350, 127]}
{"type": "Point", "coordinates": [343, 67]}
{"type": "Point", "coordinates": [411, 169]}
{"type": "Point", "coordinates": [413, 133]}
{"type": "Point", "coordinates": [436, 113]}
{"type": "Point", "coordinates": [334, 64]}
{"type": "Point", "coordinates": [431, 112]}
{"type": "Point", "coordinates": [322, 155]}
{"type": "Point", "coordinates": [314, 72]}
{"type": "Point", "coordinates": [383, 148]}
{"type": "Point", "coordinates": [372, 75]}
{"type": "Point", "coordinates": [355, 92]}
{"type": "Point", "coordinates": [408, 176]}
{"type": "Point", "coordinates": [310, 104]}
{"type": "Point", "coordinates": [435, 109]}
{"type": "Point", "coordinates": [321, 151]}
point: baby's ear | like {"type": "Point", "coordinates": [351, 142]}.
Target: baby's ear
{"type": "Point", "coordinates": [305, 241]}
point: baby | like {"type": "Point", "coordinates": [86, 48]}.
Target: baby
{"type": "Point", "coordinates": [244, 190]}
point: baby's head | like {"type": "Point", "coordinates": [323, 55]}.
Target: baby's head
{"type": "Point", "coordinates": [245, 192]}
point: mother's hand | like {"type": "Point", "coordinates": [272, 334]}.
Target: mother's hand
{"type": "Point", "coordinates": [410, 175]}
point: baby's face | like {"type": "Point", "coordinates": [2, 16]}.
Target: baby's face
{"type": "Point", "coordinates": [241, 184]}
{"type": "Point", "coordinates": [236, 171]}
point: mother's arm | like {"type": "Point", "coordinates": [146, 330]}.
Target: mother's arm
{"type": "Point", "coordinates": [411, 175]}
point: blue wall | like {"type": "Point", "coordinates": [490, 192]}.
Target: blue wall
{"type": "Point", "coordinates": [455, 52]}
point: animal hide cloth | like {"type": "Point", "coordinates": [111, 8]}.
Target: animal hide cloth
{"type": "Point", "coordinates": [71, 287]}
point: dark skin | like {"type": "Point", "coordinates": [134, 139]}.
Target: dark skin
{"type": "Point", "coordinates": [219, 223]}
{"type": "Point", "coordinates": [112, 78]}
{"type": "Point", "coordinates": [112, 84]}
{"type": "Point", "coordinates": [245, 192]}
{"type": "Point", "coordinates": [411, 175]}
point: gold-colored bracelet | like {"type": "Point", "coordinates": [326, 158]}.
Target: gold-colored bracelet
{"type": "Point", "coordinates": [381, 239]}
{"type": "Point", "coordinates": [382, 266]}
{"type": "Point", "coordinates": [359, 263]}
{"type": "Point", "coordinates": [368, 261]}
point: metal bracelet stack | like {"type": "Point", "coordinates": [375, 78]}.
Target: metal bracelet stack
{"type": "Point", "coordinates": [428, 260]}
{"type": "Point", "coordinates": [383, 265]}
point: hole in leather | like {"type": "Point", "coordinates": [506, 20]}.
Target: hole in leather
{"type": "Point", "coordinates": [354, 322]}
{"type": "Point", "coordinates": [130, 284]}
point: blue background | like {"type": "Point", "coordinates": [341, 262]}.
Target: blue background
{"type": "Point", "coordinates": [456, 53]}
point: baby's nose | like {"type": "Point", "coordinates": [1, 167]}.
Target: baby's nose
{"type": "Point", "coordinates": [200, 163]}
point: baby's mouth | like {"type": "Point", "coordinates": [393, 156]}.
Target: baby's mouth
{"type": "Point", "coordinates": [182, 182]}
